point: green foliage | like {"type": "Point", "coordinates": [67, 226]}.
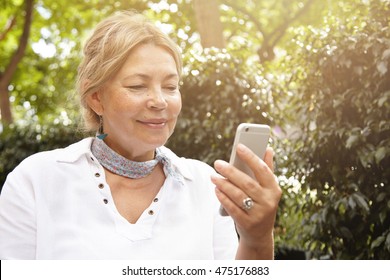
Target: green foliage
{"type": "Point", "coordinates": [43, 85]}
{"type": "Point", "coordinates": [328, 89]}
{"type": "Point", "coordinates": [17, 143]}
{"type": "Point", "coordinates": [342, 152]}
{"type": "Point", "coordinates": [218, 91]}
{"type": "Point", "coordinates": [257, 27]}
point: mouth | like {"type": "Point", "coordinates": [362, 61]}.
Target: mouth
{"type": "Point", "coordinates": [154, 123]}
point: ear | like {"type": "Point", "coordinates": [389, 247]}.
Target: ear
{"type": "Point", "coordinates": [94, 101]}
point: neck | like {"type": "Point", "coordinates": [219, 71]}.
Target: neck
{"type": "Point", "coordinates": [137, 155]}
{"type": "Point", "coordinates": [120, 165]}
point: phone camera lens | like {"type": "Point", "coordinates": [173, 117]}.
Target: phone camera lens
{"type": "Point", "coordinates": [246, 129]}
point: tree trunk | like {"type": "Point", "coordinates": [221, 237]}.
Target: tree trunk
{"type": "Point", "coordinates": [209, 23]}
{"type": "Point", "coordinates": [266, 51]}
{"type": "Point", "coordinates": [6, 76]}
{"type": "Point", "coordinates": [5, 107]}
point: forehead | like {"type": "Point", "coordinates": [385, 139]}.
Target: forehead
{"type": "Point", "coordinates": [150, 55]}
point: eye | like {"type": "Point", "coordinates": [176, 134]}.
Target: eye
{"type": "Point", "coordinates": [136, 87]}
{"type": "Point", "coordinates": [171, 87]}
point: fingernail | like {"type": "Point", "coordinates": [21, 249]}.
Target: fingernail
{"type": "Point", "coordinates": [219, 164]}
{"type": "Point", "coordinates": [242, 148]}
{"type": "Point", "coordinates": [214, 178]}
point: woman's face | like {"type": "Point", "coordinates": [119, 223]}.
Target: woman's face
{"type": "Point", "coordinates": [141, 103]}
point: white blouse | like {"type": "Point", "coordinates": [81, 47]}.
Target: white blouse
{"type": "Point", "coordinates": [58, 205]}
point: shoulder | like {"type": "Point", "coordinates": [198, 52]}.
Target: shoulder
{"type": "Point", "coordinates": [49, 158]}
{"type": "Point", "coordinates": [189, 168]}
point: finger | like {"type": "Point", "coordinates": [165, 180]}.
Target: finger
{"type": "Point", "coordinates": [236, 195]}
{"type": "Point", "coordinates": [237, 178]}
{"type": "Point", "coordinates": [269, 158]}
{"type": "Point", "coordinates": [234, 211]}
{"type": "Point", "coordinates": [262, 171]}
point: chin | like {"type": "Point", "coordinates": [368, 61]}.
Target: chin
{"type": "Point", "coordinates": [157, 143]}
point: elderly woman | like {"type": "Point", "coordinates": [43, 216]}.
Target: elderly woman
{"type": "Point", "coordinates": [122, 194]}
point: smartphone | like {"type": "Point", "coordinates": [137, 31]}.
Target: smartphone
{"type": "Point", "coordinates": [253, 136]}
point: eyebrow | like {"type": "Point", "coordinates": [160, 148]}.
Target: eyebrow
{"type": "Point", "coordinates": [145, 76]}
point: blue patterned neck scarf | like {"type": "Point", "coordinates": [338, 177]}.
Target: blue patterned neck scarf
{"type": "Point", "coordinates": [122, 166]}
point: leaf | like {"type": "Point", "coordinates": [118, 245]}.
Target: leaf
{"type": "Point", "coordinates": [380, 154]}
{"type": "Point", "coordinates": [382, 68]}
{"type": "Point", "coordinates": [383, 215]}
{"type": "Point", "coordinates": [388, 241]}
{"type": "Point", "coordinates": [382, 100]}
{"type": "Point", "coordinates": [381, 197]}
{"type": "Point", "coordinates": [386, 54]}
{"type": "Point", "coordinates": [351, 203]}
{"type": "Point", "coordinates": [352, 139]}
{"type": "Point", "coordinates": [361, 202]}
{"type": "Point", "coordinates": [377, 242]}
{"type": "Point", "coordinates": [346, 232]}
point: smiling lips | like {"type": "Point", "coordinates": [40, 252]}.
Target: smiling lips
{"type": "Point", "coordinates": [154, 123]}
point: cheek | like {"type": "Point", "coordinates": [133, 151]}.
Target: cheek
{"type": "Point", "coordinates": [176, 105]}
{"type": "Point", "coordinates": [125, 104]}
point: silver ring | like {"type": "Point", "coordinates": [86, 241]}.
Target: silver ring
{"type": "Point", "coordinates": [247, 203]}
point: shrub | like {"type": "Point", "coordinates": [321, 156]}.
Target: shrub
{"type": "Point", "coordinates": [342, 154]}
{"type": "Point", "coordinates": [219, 92]}
{"type": "Point", "coordinates": [19, 142]}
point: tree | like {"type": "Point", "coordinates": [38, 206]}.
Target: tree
{"type": "Point", "coordinates": [40, 91]}
{"type": "Point", "coordinates": [219, 91]}
{"type": "Point", "coordinates": [340, 88]}
{"type": "Point", "coordinates": [209, 23]}
{"type": "Point", "coordinates": [246, 26]}
{"type": "Point", "coordinates": [38, 58]}
{"type": "Point", "coordinates": [328, 82]}
{"type": "Point", "coordinates": [7, 74]}
{"type": "Point", "coordinates": [268, 21]}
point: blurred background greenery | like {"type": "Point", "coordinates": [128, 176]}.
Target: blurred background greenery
{"type": "Point", "coordinates": [316, 71]}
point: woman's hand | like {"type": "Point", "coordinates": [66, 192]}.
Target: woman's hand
{"type": "Point", "coordinates": [255, 226]}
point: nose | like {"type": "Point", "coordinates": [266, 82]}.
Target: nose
{"type": "Point", "coordinates": [157, 100]}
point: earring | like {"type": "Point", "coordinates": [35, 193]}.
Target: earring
{"type": "Point", "coordinates": [101, 135]}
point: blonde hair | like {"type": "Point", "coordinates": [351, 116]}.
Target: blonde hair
{"type": "Point", "coordinates": [107, 49]}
